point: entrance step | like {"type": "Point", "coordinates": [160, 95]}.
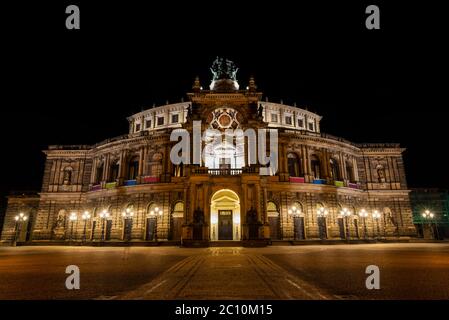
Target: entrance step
{"type": "Point", "coordinates": [225, 243]}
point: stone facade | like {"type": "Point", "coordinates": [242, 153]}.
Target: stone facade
{"type": "Point", "coordinates": [130, 190]}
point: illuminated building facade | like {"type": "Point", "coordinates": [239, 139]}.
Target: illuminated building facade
{"type": "Point", "coordinates": [127, 188]}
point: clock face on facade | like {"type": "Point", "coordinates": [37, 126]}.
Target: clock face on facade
{"type": "Point", "coordinates": [224, 118]}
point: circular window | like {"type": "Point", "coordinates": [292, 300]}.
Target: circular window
{"type": "Point", "coordinates": [224, 118]}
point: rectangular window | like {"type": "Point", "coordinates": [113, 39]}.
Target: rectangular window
{"type": "Point", "coordinates": [147, 124]}
{"type": "Point", "coordinates": [288, 120]}
{"type": "Point", "coordinates": [301, 123]}
{"type": "Point", "coordinates": [174, 118]}
{"type": "Point", "coordinates": [311, 126]}
{"type": "Point", "coordinates": [137, 127]}
{"type": "Point", "coordinates": [274, 117]}
{"type": "Point", "coordinates": [160, 121]}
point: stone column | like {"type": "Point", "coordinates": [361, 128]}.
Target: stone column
{"type": "Point", "coordinates": [355, 169]}
{"type": "Point", "coordinates": [283, 176]}
{"type": "Point", "coordinates": [106, 168]}
{"type": "Point", "coordinates": [342, 167]}
{"type": "Point", "coordinates": [304, 160]}
{"type": "Point", "coordinates": [325, 165]}
{"type": "Point", "coordinates": [94, 171]}
{"type": "Point", "coordinates": [141, 161]}
{"type": "Point", "coordinates": [122, 167]}
{"type": "Point", "coordinates": [142, 123]}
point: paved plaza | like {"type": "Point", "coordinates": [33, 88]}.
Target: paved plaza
{"type": "Point", "coordinates": [407, 271]}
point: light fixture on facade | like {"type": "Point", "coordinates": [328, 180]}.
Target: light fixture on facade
{"type": "Point", "coordinates": [345, 212]}
{"type": "Point", "coordinates": [128, 213]}
{"type": "Point", "coordinates": [363, 213]}
{"type": "Point", "coordinates": [156, 212]}
{"type": "Point", "coordinates": [104, 214]}
{"type": "Point", "coordinates": [86, 215]}
{"type": "Point", "coordinates": [294, 211]}
{"type": "Point", "coordinates": [73, 217]}
{"type": "Point", "coordinates": [21, 217]}
{"type": "Point", "coordinates": [322, 212]}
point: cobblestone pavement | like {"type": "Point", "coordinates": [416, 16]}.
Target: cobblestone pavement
{"type": "Point", "coordinates": [407, 271]}
{"type": "Point", "coordinates": [227, 273]}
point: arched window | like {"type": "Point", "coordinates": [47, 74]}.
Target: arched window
{"type": "Point", "coordinates": [114, 171]}
{"type": "Point", "coordinates": [315, 166]}
{"type": "Point", "coordinates": [178, 208]}
{"type": "Point", "coordinates": [133, 168]}
{"type": "Point", "coordinates": [273, 220]}
{"type": "Point", "coordinates": [350, 172]}
{"type": "Point", "coordinates": [68, 175]}
{"type": "Point", "coordinates": [294, 165]}
{"type": "Point", "coordinates": [177, 221]}
{"type": "Point", "coordinates": [272, 209]}
{"type": "Point", "coordinates": [335, 171]}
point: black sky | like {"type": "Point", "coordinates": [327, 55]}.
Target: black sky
{"type": "Point", "coordinates": [78, 87]}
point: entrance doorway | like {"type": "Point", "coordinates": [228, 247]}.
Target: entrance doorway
{"type": "Point", "coordinates": [225, 216]}
{"type": "Point", "coordinates": [224, 224]}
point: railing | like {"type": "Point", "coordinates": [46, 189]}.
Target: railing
{"type": "Point", "coordinates": [224, 172]}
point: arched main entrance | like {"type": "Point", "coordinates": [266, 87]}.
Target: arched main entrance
{"type": "Point", "coordinates": [225, 216]}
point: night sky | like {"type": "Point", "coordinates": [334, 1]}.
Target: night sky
{"type": "Point", "coordinates": [77, 87]}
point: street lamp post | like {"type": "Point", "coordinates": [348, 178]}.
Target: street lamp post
{"type": "Point", "coordinates": [103, 216]}
{"type": "Point", "coordinates": [73, 217]}
{"type": "Point", "coordinates": [294, 212]}
{"type": "Point", "coordinates": [127, 214]}
{"type": "Point", "coordinates": [322, 214]}
{"type": "Point", "coordinates": [19, 219]}
{"type": "Point", "coordinates": [85, 217]}
{"type": "Point", "coordinates": [428, 216]}
{"type": "Point", "coordinates": [346, 213]}
{"type": "Point", "coordinates": [155, 213]}
{"type": "Point", "coordinates": [376, 217]}
{"type": "Point", "coordinates": [364, 214]}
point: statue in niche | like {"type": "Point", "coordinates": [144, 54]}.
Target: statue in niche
{"type": "Point", "coordinates": [198, 222]}
{"type": "Point", "coordinates": [251, 216]}
{"type": "Point", "coordinates": [253, 224]}
{"type": "Point", "coordinates": [198, 216]}
{"type": "Point", "coordinates": [67, 176]}
{"type": "Point", "coordinates": [60, 221]}
{"type": "Point", "coordinates": [380, 174]}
